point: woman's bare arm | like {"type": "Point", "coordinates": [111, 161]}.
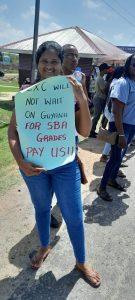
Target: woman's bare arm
{"type": "Point", "coordinates": [83, 118]}
{"type": "Point", "coordinates": [28, 168]}
{"type": "Point", "coordinates": [14, 140]}
{"type": "Point", "coordinates": [118, 108]}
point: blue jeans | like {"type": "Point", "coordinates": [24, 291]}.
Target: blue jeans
{"type": "Point", "coordinates": [65, 182]}
{"type": "Point", "coordinates": [117, 154]}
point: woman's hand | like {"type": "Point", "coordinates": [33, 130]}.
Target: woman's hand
{"type": "Point", "coordinates": [122, 143]}
{"type": "Point", "coordinates": [82, 116]}
{"type": "Point", "coordinates": [78, 90]}
{"type": "Point", "coordinates": [30, 169]}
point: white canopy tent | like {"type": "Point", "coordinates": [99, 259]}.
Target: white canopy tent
{"type": "Point", "coordinates": [88, 44]}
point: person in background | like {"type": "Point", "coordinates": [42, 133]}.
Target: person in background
{"type": "Point", "coordinates": [1, 74]}
{"type": "Point", "coordinates": [64, 181]}
{"type": "Point", "coordinates": [99, 99]}
{"type": "Point", "coordinates": [122, 121]}
{"type": "Point", "coordinates": [117, 73]}
{"type": "Point", "coordinates": [93, 75]}
{"type": "Point", "coordinates": [108, 79]}
{"type": "Point", "coordinates": [91, 92]}
{"type": "Point", "coordinates": [69, 67]}
{"type": "Point", "coordinates": [26, 84]}
{"type": "Point", "coordinates": [70, 63]}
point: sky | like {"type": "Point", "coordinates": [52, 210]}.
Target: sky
{"type": "Point", "coordinates": [112, 20]}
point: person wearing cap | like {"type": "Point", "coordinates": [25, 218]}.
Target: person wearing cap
{"type": "Point", "coordinates": [99, 99]}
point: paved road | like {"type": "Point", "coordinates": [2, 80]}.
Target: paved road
{"type": "Point", "coordinates": [110, 235]}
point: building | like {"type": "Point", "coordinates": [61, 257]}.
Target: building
{"type": "Point", "coordinates": [129, 49]}
{"type": "Point", "coordinates": [90, 47]}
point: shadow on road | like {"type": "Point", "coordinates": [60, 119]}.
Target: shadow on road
{"type": "Point", "coordinates": [25, 285]}
{"type": "Point", "coordinates": [95, 183]}
{"type": "Point", "coordinates": [46, 287]}
{"type": "Point", "coordinates": [104, 213]}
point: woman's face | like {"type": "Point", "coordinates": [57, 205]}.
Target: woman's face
{"type": "Point", "coordinates": [132, 67]}
{"type": "Point", "coordinates": [49, 64]}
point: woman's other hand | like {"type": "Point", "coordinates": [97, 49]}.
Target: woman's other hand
{"type": "Point", "coordinates": [122, 143]}
{"type": "Point", "coordinates": [78, 90]}
{"type": "Point", "coordinates": [82, 116]}
{"type": "Point", "coordinates": [30, 169]}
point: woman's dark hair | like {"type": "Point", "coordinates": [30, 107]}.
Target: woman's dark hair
{"type": "Point", "coordinates": [127, 66]}
{"type": "Point", "coordinates": [118, 72]}
{"type": "Point", "coordinates": [47, 46]}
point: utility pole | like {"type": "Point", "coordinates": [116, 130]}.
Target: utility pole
{"type": "Point", "coordinates": [35, 40]}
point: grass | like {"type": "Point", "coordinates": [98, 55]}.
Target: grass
{"type": "Point", "coordinates": [9, 175]}
{"type": "Point", "coordinates": [8, 83]}
{"type": "Point", "coordinates": [7, 89]}
{"type": "Point", "coordinates": [8, 86]}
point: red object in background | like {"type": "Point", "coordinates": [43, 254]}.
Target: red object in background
{"type": "Point", "coordinates": [110, 70]}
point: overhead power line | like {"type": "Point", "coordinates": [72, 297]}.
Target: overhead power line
{"type": "Point", "coordinates": [130, 14]}
{"type": "Point", "coordinates": [118, 13]}
{"type": "Point", "coordinates": [125, 9]}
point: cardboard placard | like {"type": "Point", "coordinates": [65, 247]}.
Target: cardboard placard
{"type": "Point", "coordinates": [45, 116]}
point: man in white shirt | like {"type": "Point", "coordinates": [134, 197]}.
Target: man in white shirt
{"type": "Point", "coordinates": [70, 62]}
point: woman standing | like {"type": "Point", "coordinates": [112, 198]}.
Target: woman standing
{"type": "Point", "coordinates": [123, 121]}
{"type": "Point", "coordinates": [117, 73]}
{"type": "Point", "coordinates": [64, 181]}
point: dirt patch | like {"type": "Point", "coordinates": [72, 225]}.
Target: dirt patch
{"type": "Point", "coordinates": [10, 77]}
{"type": "Point", "coordinates": [10, 178]}
{"type": "Point", "coordinates": [90, 151]}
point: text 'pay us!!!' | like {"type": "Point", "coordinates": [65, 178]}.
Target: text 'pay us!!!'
{"type": "Point", "coordinates": [55, 151]}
